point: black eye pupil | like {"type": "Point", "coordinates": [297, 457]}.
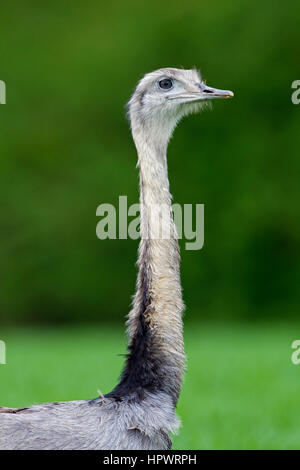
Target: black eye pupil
{"type": "Point", "coordinates": [165, 84]}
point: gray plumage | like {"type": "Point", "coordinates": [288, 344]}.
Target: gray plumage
{"type": "Point", "coordinates": [140, 412]}
{"type": "Point", "coordinates": [103, 423]}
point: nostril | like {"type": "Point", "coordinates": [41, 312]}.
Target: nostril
{"type": "Point", "coordinates": [204, 88]}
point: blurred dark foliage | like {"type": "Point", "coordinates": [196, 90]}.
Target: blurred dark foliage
{"type": "Point", "coordinates": [69, 68]}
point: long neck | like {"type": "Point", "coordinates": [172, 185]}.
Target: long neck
{"type": "Point", "coordinates": [156, 354]}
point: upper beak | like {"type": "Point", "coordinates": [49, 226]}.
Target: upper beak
{"type": "Point", "coordinates": [211, 93]}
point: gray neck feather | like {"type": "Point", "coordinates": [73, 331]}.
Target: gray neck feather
{"type": "Point", "coordinates": [155, 321]}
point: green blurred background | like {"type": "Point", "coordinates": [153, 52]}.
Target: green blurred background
{"type": "Point", "coordinates": [69, 69]}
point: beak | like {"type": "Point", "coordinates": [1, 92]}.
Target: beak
{"type": "Point", "coordinates": [213, 93]}
{"type": "Point", "coordinates": [203, 93]}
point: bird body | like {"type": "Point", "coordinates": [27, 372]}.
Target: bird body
{"type": "Point", "coordinates": [102, 423]}
{"type": "Point", "coordinates": [139, 413]}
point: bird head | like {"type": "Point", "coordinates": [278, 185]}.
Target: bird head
{"type": "Point", "coordinates": [164, 96]}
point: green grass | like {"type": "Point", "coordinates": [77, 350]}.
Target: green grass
{"type": "Point", "coordinates": [241, 390]}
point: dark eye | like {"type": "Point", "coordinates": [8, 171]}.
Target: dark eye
{"type": "Point", "coordinates": [165, 84]}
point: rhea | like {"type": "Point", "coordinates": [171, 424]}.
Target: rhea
{"type": "Point", "coordinates": [139, 413]}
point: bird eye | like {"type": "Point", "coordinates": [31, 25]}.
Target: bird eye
{"type": "Point", "coordinates": [165, 84]}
